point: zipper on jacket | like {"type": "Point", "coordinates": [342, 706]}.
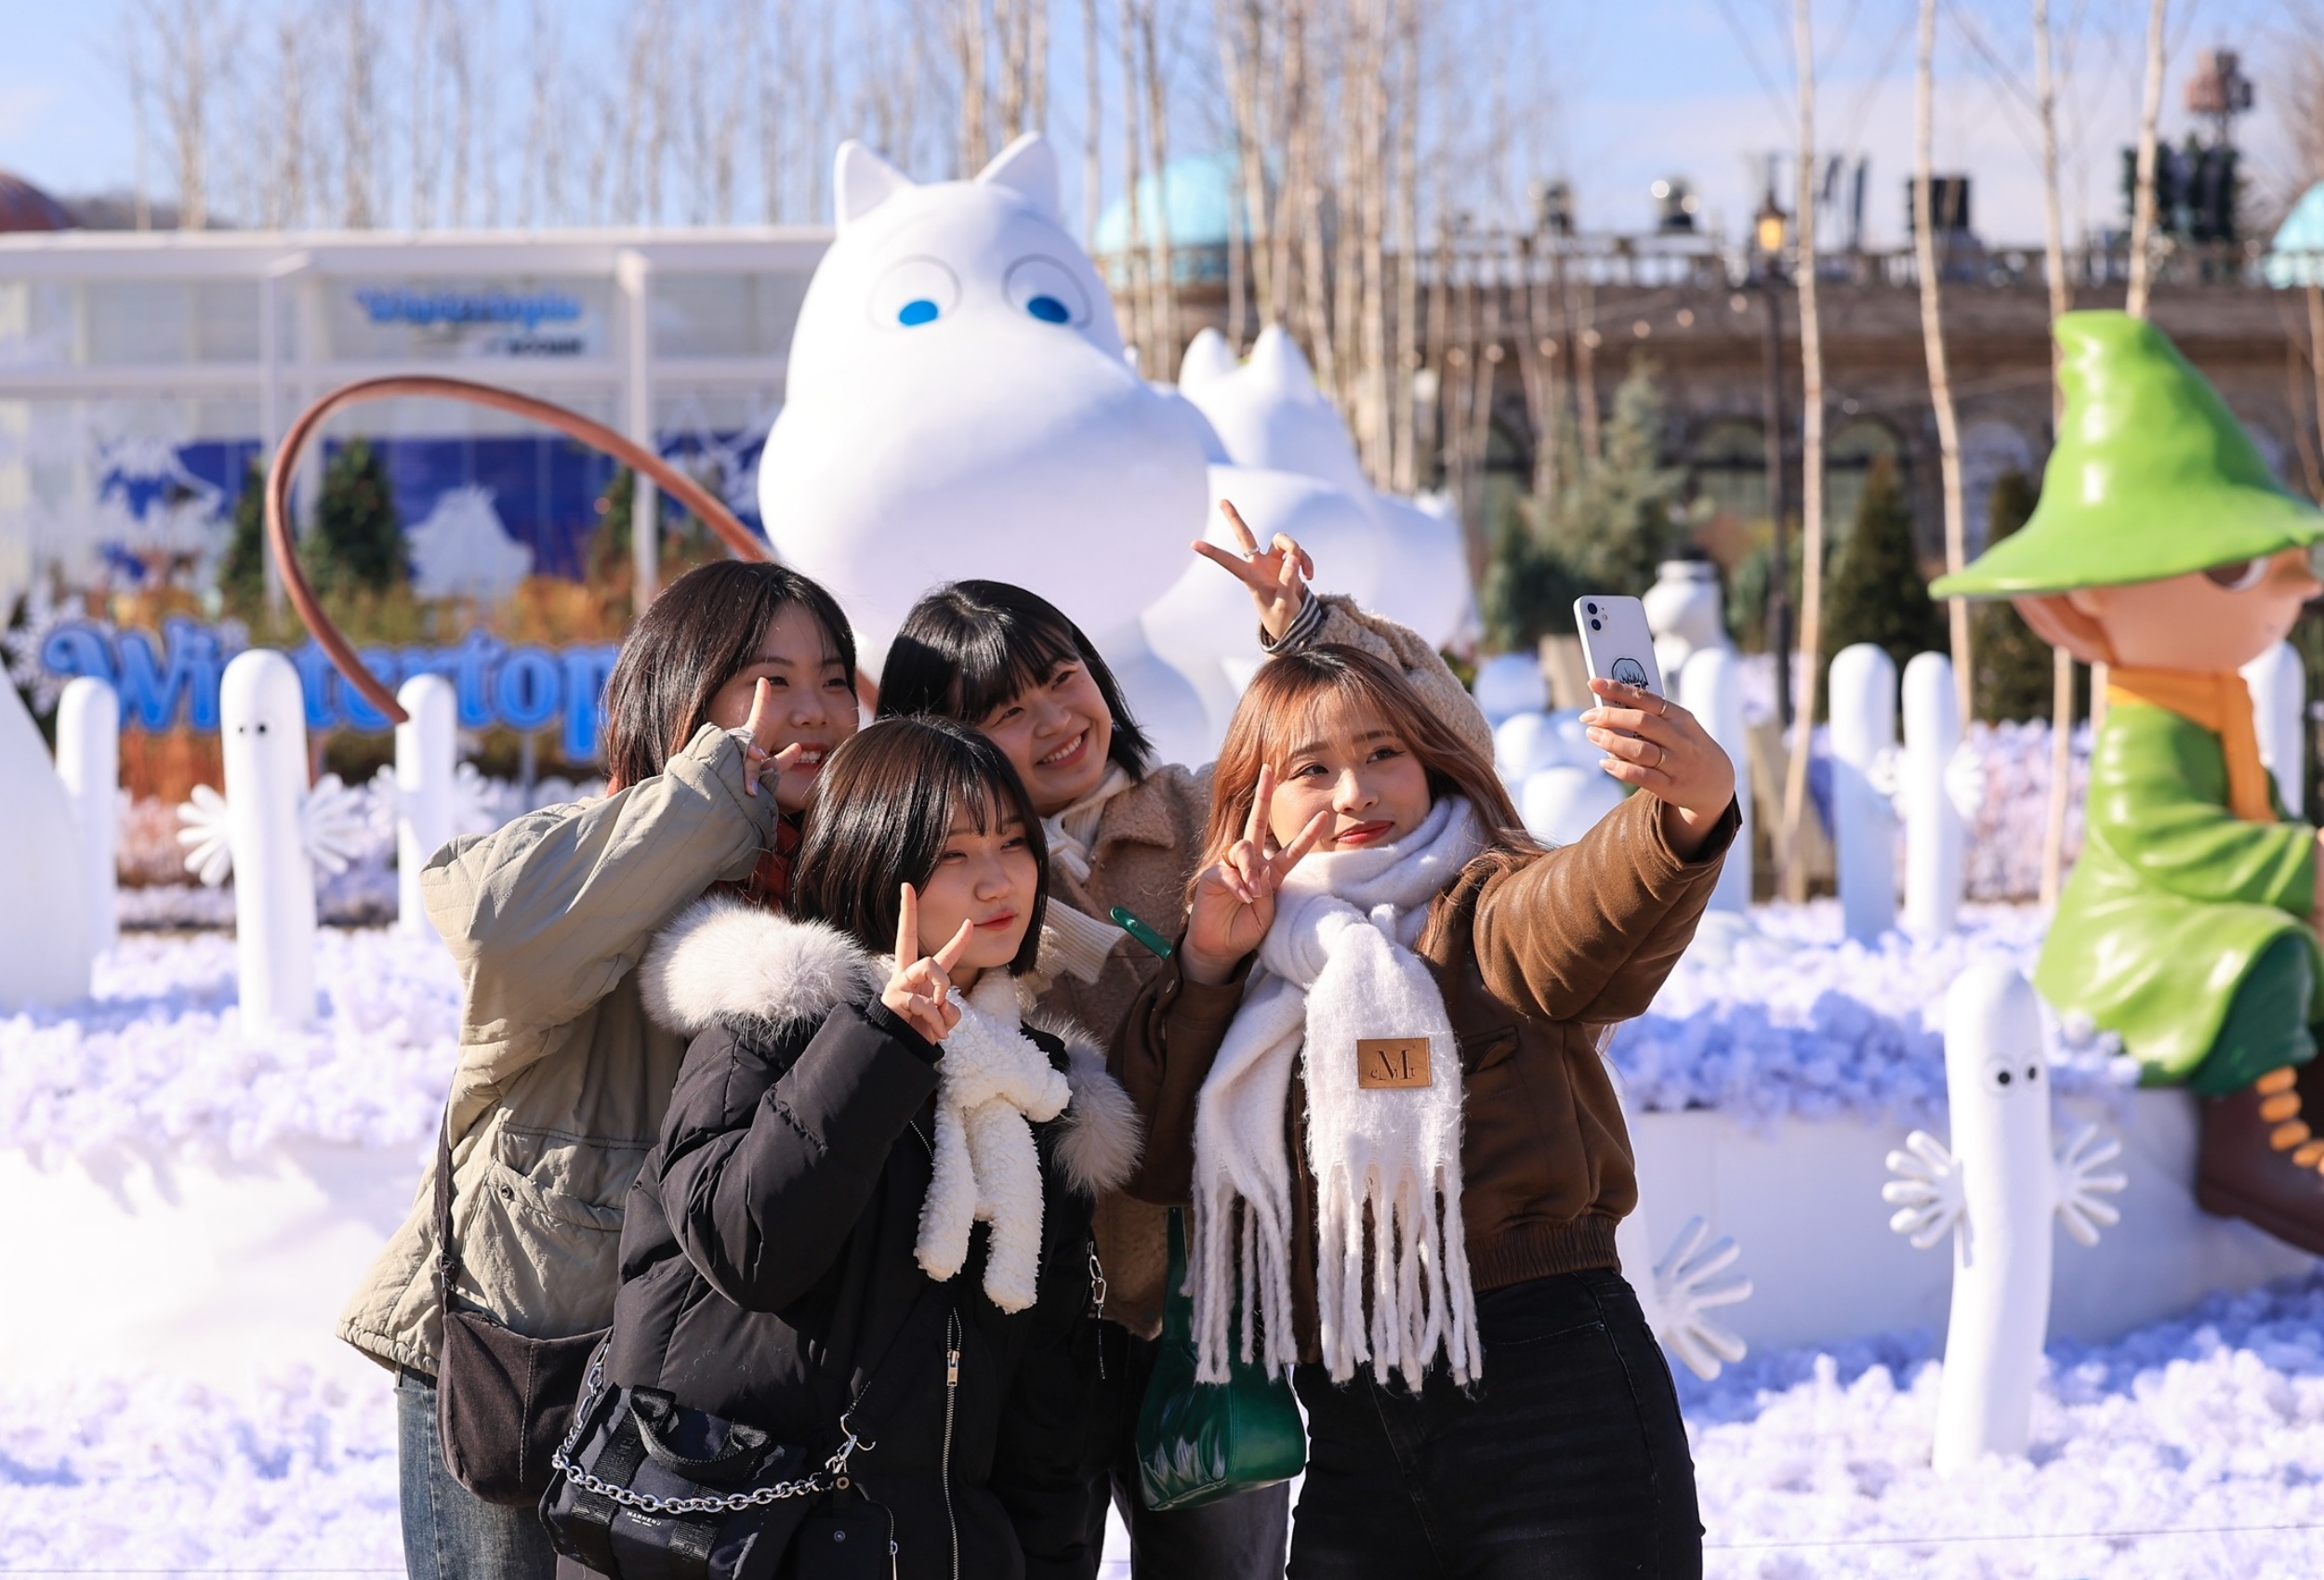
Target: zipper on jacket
{"type": "Point", "coordinates": [1097, 1300]}
{"type": "Point", "coordinates": [951, 1391]}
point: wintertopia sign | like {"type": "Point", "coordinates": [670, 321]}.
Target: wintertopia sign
{"type": "Point", "coordinates": [173, 676]}
{"type": "Point", "coordinates": [517, 316]}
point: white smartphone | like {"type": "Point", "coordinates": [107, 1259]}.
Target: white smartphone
{"type": "Point", "coordinates": [1616, 643]}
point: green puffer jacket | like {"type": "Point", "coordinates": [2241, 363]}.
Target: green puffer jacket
{"type": "Point", "coordinates": [562, 1080]}
{"type": "Point", "coordinates": [2174, 897]}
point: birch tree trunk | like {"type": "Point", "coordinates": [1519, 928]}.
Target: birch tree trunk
{"type": "Point", "coordinates": [1933, 340]}
{"type": "Point", "coordinates": [1164, 277]}
{"type": "Point", "coordinates": [1093, 124]}
{"type": "Point", "coordinates": [2061, 301]}
{"type": "Point", "coordinates": [1811, 466]}
{"type": "Point", "coordinates": [2142, 199]}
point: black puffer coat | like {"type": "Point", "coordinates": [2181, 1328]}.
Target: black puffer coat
{"type": "Point", "coordinates": [767, 1256]}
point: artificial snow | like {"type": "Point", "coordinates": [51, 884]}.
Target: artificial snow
{"type": "Point", "coordinates": [2191, 1448]}
{"type": "Point", "coordinates": [158, 1055]}
{"type": "Point", "coordinates": [1787, 1016]}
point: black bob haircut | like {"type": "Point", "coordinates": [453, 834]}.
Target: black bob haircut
{"type": "Point", "coordinates": [881, 815]}
{"type": "Point", "coordinates": [968, 648]}
{"type": "Point", "coordinates": [702, 631]}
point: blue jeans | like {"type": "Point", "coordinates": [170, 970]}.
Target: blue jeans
{"type": "Point", "coordinates": [1568, 1460]}
{"type": "Point", "coordinates": [449, 1533]}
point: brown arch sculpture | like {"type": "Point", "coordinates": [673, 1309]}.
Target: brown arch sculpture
{"type": "Point", "coordinates": [594, 434]}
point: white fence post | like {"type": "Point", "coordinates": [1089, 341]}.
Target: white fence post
{"type": "Point", "coordinates": [1863, 681]}
{"type": "Point", "coordinates": [1934, 835]}
{"type": "Point", "coordinates": [427, 757]}
{"type": "Point", "coordinates": [89, 760]}
{"type": "Point", "coordinates": [1711, 687]}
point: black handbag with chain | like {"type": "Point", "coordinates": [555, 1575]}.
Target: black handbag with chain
{"type": "Point", "coordinates": [647, 1489]}
{"type": "Point", "coordinates": [502, 1400]}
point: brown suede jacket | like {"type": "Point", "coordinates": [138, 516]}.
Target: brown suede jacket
{"type": "Point", "coordinates": [1537, 957]}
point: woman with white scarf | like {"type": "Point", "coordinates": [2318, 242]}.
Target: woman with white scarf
{"type": "Point", "coordinates": [1124, 837]}
{"type": "Point", "coordinates": [1372, 1064]}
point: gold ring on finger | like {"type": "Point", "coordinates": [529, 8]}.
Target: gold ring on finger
{"type": "Point", "coordinates": [1663, 754]}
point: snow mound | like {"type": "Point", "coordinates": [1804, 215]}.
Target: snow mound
{"type": "Point", "coordinates": [157, 1053]}
{"type": "Point", "coordinates": [1790, 1017]}
{"type": "Point", "coordinates": [2193, 1447]}
{"type": "Point", "coordinates": [293, 1475]}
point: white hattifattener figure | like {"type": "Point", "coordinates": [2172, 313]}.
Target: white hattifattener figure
{"type": "Point", "coordinates": [1995, 1192]}
{"type": "Point", "coordinates": [270, 830]}
{"type": "Point", "coordinates": [427, 770]}
{"type": "Point", "coordinates": [44, 929]}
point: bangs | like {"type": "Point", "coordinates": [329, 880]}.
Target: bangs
{"type": "Point", "coordinates": [1000, 660]}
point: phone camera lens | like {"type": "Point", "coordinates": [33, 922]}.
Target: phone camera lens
{"type": "Point", "coordinates": [1595, 626]}
{"type": "Point", "coordinates": [1591, 607]}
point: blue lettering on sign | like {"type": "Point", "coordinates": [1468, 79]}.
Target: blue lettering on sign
{"type": "Point", "coordinates": [175, 677]}
{"type": "Point", "coordinates": [427, 308]}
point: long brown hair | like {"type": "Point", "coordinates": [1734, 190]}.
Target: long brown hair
{"type": "Point", "coordinates": [1281, 706]}
{"type": "Point", "coordinates": [704, 630]}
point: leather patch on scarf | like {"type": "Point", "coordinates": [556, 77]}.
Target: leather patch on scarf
{"type": "Point", "coordinates": [1391, 1063]}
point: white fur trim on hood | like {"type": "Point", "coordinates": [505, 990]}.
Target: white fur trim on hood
{"type": "Point", "coordinates": [1101, 1136]}
{"type": "Point", "coordinates": [725, 961]}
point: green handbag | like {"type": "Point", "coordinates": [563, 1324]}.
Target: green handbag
{"type": "Point", "coordinates": [1198, 1443]}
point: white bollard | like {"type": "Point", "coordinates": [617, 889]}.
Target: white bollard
{"type": "Point", "coordinates": [1934, 837]}
{"type": "Point", "coordinates": [1863, 680]}
{"type": "Point", "coordinates": [262, 718]}
{"type": "Point", "coordinates": [427, 757]}
{"type": "Point", "coordinates": [1711, 687]}
{"type": "Point", "coordinates": [2278, 696]}
{"type": "Point", "coordinates": [1995, 1191]}
{"type": "Point", "coordinates": [89, 760]}
{"type": "Point", "coordinates": [44, 936]}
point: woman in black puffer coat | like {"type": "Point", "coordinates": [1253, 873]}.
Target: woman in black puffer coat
{"type": "Point", "coordinates": [828, 1145]}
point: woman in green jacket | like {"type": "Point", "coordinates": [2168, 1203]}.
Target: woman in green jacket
{"type": "Point", "coordinates": [732, 689]}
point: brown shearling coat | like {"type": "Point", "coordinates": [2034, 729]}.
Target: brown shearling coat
{"type": "Point", "coordinates": [1148, 840]}
{"type": "Point", "coordinates": [1536, 957]}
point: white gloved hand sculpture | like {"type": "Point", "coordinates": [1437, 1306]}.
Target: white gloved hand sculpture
{"type": "Point", "coordinates": [1685, 1295]}
{"type": "Point", "coordinates": [2081, 1212]}
{"type": "Point", "coordinates": [1928, 1195]}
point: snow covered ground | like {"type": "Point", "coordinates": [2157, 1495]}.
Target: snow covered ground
{"type": "Point", "coordinates": [2193, 1448]}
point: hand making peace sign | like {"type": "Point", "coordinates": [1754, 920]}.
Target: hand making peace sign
{"type": "Point", "coordinates": [919, 993]}
{"type": "Point", "coordinates": [758, 761]}
{"type": "Point", "coordinates": [1235, 898]}
{"type": "Point", "coordinates": [1277, 577]}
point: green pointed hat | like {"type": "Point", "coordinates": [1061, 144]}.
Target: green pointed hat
{"type": "Point", "coordinates": [2152, 476]}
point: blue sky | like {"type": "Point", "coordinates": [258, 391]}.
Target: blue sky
{"type": "Point", "coordinates": [1615, 95]}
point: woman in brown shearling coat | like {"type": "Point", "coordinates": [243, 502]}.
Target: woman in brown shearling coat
{"type": "Point", "coordinates": [1125, 833]}
{"type": "Point", "coordinates": [1375, 1071]}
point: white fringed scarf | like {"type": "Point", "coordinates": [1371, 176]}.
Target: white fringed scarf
{"type": "Point", "coordinates": [992, 1083]}
{"type": "Point", "coordinates": [1338, 965]}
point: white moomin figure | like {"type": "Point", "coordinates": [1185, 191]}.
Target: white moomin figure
{"type": "Point", "coordinates": [44, 927]}
{"type": "Point", "coordinates": [270, 830]}
{"type": "Point", "coordinates": [1995, 1191]}
{"type": "Point", "coordinates": [1291, 468]}
{"type": "Point", "coordinates": [89, 760]}
{"type": "Point", "coordinates": [959, 405]}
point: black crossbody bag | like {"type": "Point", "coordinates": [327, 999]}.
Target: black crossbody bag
{"type": "Point", "coordinates": [503, 1401]}
{"type": "Point", "coordinates": [647, 1489]}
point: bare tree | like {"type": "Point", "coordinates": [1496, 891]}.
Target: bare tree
{"type": "Point", "coordinates": [2061, 300]}
{"type": "Point", "coordinates": [2143, 199]}
{"type": "Point", "coordinates": [358, 140]}
{"type": "Point", "coordinates": [1793, 869]}
{"type": "Point", "coordinates": [177, 53]}
{"type": "Point", "coordinates": [1933, 342]}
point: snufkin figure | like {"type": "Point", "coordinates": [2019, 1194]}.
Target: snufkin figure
{"type": "Point", "coordinates": [2164, 549]}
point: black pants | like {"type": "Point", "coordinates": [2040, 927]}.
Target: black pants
{"type": "Point", "coordinates": [1236, 1538]}
{"type": "Point", "coordinates": [1568, 1460]}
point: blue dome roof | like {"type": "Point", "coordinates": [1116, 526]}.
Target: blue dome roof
{"type": "Point", "coordinates": [1204, 201]}
{"type": "Point", "coordinates": [2297, 255]}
